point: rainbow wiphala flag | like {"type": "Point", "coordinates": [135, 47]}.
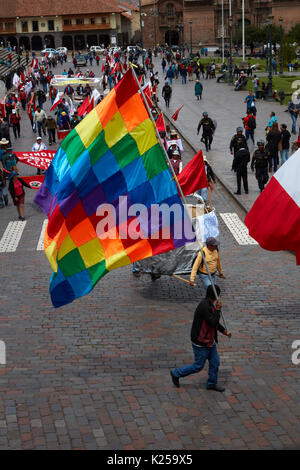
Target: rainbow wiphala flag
{"type": "Point", "coordinates": [112, 152]}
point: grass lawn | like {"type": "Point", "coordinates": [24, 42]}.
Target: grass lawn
{"type": "Point", "coordinates": [279, 83]}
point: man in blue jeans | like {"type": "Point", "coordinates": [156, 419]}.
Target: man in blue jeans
{"type": "Point", "coordinates": [204, 339]}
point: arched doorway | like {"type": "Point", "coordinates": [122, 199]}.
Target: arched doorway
{"type": "Point", "coordinates": [49, 41]}
{"type": "Point", "coordinates": [172, 37]}
{"type": "Point", "coordinates": [104, 39]}
{"type": "Point", "coordinates": [79, 43]}
{"type": "Point", "coordinates": [36, 43]}
{"type": "Point", "coordinates": [67, 41]}
{"type": "Point", "coordinates": [92, 40]}
{"type": "Point", "coordinates": [24, 42]}
{"type": "Point", "coordinates": [12, 41]}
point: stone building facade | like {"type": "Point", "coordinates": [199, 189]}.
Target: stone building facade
{"type": "Point", "coordinates": [200, 21]}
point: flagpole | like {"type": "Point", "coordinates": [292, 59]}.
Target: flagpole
{"type": "Point", "coordinates": [178, 187]}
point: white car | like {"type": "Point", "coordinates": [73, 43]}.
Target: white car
{"type": "Point", "coordinates": [62, 50]}
{"type": "Point", "coordinates": [49, 50]}
{"type": "Point", "coordinates": [98, 49]}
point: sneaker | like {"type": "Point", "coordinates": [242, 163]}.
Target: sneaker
{"type": "Point", "coordinates": [246, 192]}
{"type": "Point", "coordinates": [216, 388]}
{"type": "Point", "coordinates": [237, 192]}
{"type": "Point", "coordinates": [175, 380]}
{"type": "Point", "coordinates": [136, 273]}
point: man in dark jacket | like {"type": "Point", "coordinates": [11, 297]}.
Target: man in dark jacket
{"type": "Point", "coordinates": [260, 161]}
{"type": "Point", "coordinates": [240, 162]}
{"type": "Point", "coordinates": [238, 141]}
{"type": "Point", "coordinates": [166, 93]}
{"type": "Point", "coordinates": [204, 337]}
{"type": "Point", "coordinates": [208, 128]}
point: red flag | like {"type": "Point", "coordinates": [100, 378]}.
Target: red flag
{"type": "Point", "coordinates": [62, 133]}
{"type": "Point", "coordinates": [193, 176]}
{"type": "Point", "coordinates": [85, 107]}
{"type": "Point", "coordinates": [37, 159]}
{"type": "Point", "coordinates": [160, 123]}
{"type": "Point", "coordinates": [274, 219]}
{"type": "Point", "coordinates": [175, 115]}
{"type": "Point", "coordinates": [35, 182]}
{"type": "Point", "coordinates": [102, 70]}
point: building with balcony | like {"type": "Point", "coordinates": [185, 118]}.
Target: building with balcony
{"type": "Point", "coordinates": [35, 24]}
{"type": "Point", "coordinates": [177, 21]}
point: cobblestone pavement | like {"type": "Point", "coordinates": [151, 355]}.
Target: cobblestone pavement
{"type": "Point", "coordinates": [227, 107]}
{"type": "Point", "coordinates": [95, 374]}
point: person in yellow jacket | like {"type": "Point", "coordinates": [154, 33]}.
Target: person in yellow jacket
{"type": "Point", "coordinates": [213, 261]}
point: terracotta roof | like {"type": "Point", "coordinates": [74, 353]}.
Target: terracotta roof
{"type": "Point", "coordinates": [147, 2]}
{"type": "Point", "coordinates": [22, 8]}
{"type": "Point", "coordinates": [128, 6]}
{"type": "Point", "coordinates": [127, 16]}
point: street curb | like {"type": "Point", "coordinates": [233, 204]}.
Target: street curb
{"type": "Point", "coordinates": [225, 186]}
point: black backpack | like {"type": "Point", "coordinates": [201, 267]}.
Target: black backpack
{"type": "Point", "coordinates": [251, 123]}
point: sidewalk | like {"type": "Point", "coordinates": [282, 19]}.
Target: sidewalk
{"type": "Point", "coordinates": [228, 108]}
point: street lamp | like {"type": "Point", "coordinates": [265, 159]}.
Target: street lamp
{"type": "Point", "coordinates": [191, 38]}
{"type": "Point", "coordinates": [154, 13]}
{"type": "Point", "coordinates": [180, 30]}
{"type": "Point", "coordinates": [169, 36]}
{"type": "Point", "coordinates": [269, 96]}
{"type": "Point", "coordinates": [141, 28]}
{"type": "Point", "coordinates": [230, 50]}
{"type": "Point", "coordinates": [280, 59]}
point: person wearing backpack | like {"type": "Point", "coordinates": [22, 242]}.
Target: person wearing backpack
{"type": "Point", "coordinates": [250, 125]}
{"type": "Point", "coordinates": [212, 256]}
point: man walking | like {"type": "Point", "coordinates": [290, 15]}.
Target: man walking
{"type": "Point", "coordinates": [240, 162]}
{"type": "Point", "coordinates": [39, 146]}
{"type": "Point", "coordinates": [213, 261]}
{"type": "Point", "coordinates": [208, 129]}
{"type": "Point", "coordinates": [39, 118]}
{"type": "Point", "coordinates": [250, 125]}
{"type": "Point", "coordinates": [260, 161]}
{"type": "Point", "coordinates": [237, 141]}
{"type": "Point", "coordinates": [204, 338]}
{"type": "Point", "coordinates": [166, 93]}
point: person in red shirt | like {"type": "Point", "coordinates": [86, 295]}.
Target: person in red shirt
{"type": "Point", "coordinates": [97, 59]}
{"type": "Point", "coordinates": [17, 192]}
{"type": "Point", "coordinates": [14, 121]}
{"type": "Point", "coordinates": [249, 125]}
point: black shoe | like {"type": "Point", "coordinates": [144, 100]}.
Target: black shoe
{"type": "Point", "coordinates": [175, 380]}
{"type": "Point", "coordinates": [136, 273]}
{"type": "Point", "coordinates": [246, 192]}
{"type": "Point", "coordinates": [238, 193]}
{"type": "Point", "coordinates": [216, 388]}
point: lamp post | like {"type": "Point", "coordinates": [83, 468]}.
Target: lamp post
{"type": "Point", "coordinates": [180, 30]}
{"type": "Point", "coordinates": [191, 38]}
{"type": "Point", "coordinates": [154, 13]}
{"type": "Point", "coordinates": [269, 96]}
{"type": "Point", "coordinates": [230, 50]}
{"type": "Point", "coordinates": [280, 59]}
{"type": "Point", "coordinates": [169, 36]}
{"type": "Point", "coordinates": [141, 29]}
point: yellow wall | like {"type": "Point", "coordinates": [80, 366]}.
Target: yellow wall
{"type": "Point", "coordinates": [42, 29]}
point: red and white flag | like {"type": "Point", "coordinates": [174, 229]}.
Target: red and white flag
{"type": "Point", "coordinates": [58, 99]}
{"type": "Point", "coordinates": [40, 160]}
{"type": "Point", "coordinates": [274, 219]}
{"type": "Point", "coordinates": [34, 64]}
{"type": "Point", "coordinates": [35, 182]}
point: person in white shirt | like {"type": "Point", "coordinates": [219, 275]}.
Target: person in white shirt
{"type": "Point", "coordinates": [39, 146]}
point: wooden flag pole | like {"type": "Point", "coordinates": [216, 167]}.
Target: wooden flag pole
{"type": "Point", "coordinates": [178, 187]}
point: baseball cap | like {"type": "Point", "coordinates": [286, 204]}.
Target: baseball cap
{"type": "Point", "coordinates": [38, 138]}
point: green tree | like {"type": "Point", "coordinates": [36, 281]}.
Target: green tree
{"type": "Point", "coordinates": [275, 33]}
{"type": "Point", "coordinates": [288, 51]}
{"type": "Point", "coordinates": [294, 33]}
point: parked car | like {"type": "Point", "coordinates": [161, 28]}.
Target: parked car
{"type": "Point", "coordinates": [97, 49]}
{"type": "Point", "coordinates": [62, 50]}
{"type": "Point", "coordinates": [81, 60]}
{"type": "Point", "coordinates": [49, 50]}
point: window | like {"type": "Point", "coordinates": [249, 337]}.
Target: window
{"type": "Point", "coordinates": [24, 26]}
{"type": "Point", "coordinates": [92, 20]}
{"type": "Point", "coordinates": [35, 26]}
{"type": "Point", "coordinates": [67, 21]}
{"type": "Point", "coordinates": [170, 10]}
{"type": "Point", "coordinates": [50, 25]}
{"type": "Point", "coordinates": [104, 19]}
{"type": "Point", "coordinates": [79, 21]}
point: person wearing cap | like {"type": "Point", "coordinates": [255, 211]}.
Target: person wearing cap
{"type": "Point", "coordinates": [75, 120]}
{"type": "Point", "coordinates": [250, 100]}
{"type": "Point", "coordinates": [208, 129]}
{"type": "Point", "coordinates": [39, 146]}
{"type": "Point", "coordinates": [204, 338]}
{"type": "Point", "coordinates": [16, 189]}
{"type": "Point", "coordinates": [198, 90]}
{"type": "Point", "coordinates": [64, 121]}
{"type": "Point", "coordinates": [14, 120]}
{"type": "Point", "coordinates": [237, 141]}
{"type": "Point", "coordinates": [212, 257]}
{"type": "Point", "coordinates": [273, 118]}
{"type": "Point", "coordinates": [172, 148]}
{"type": "Point", "coordinates": [250, 125]}
{"type": "Point", "coordinates": [260, 161]}
{"type": "Point", "coordinates": [7, 157]}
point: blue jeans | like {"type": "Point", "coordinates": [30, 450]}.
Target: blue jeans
{"type": "Point", "coordinates": [202, 354]}
{"type": "Point", "coordinates": [39, 127]}
{"type": "Point", "coordinates": [250, 133]}
{"type": "Point", "coordinates": [203, 193]}
{"type": "Point", "coordinates": [206, 281]}
{"type": "Point", "coordinates": [170, 80]}
{"type": "Point", "coordinates": [183, 79]}
{"type": "Point", "coordinates": [294, 121]}
{"type": "Point", "coordinates": [284, 156]}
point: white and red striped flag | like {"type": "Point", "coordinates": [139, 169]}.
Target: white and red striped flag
{"type": "Point", "coordinates": [58, 99]}
{"type": "Point", "coordinates": [274, 219]}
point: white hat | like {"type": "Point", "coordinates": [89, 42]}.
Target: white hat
{"type": "Point", "coordinates": [38, 138]}
{"type": "Point", "coordinates": [14, 111]}
{"type": "Point", "coordinates": [4, 141]}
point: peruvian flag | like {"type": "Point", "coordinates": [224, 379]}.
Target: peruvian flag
{"type": "Point", "coordinates": [160, 123]}
{"type": "Point", "coordinates": [175, 115]}
{"type": "Point", "coordinates": [274, 219]}
{"type": "Point", "coordinates": [58, 99]}
{"type": "Point", "coordinates": [193, 176]}
{"type": "Point", "coordinates": [34, 64]}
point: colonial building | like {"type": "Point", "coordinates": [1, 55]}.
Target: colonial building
{"type": "Point", "coordinates": [200, 21]}
{"type": "Point", "coordinates": [35, 24]}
